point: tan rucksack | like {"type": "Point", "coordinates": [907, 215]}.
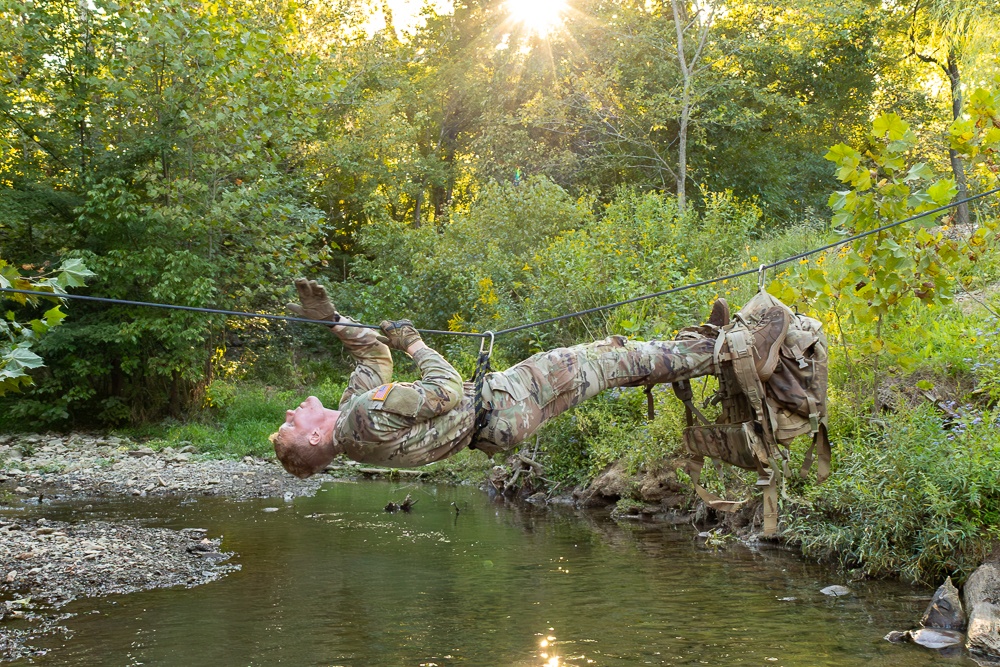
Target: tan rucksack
{"type": "Point", "coordinates": [759, 419]}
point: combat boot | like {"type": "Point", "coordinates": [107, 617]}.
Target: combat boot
{"type": "Point", "coordinates": [760, 341]}
{"type": "Point", "coordinates": [768, 335]}
{"type": "Point", "coordinates": [710, 329]}
{"type": "Point", "coordinates": [720, 313]}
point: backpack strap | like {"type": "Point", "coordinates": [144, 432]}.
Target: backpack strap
{"type": "Point", "coordinates": [770, 484]}
{"type": "Point", "coordinates": [682, 390]}
{"type": "Point", "coordinates": [821, 446]}
{"type": "Point", "coordinates": [693, 468]}
{"type": "Point", "coordinates": [740, 354]}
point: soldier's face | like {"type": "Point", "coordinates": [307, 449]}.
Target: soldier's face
{"type": "Point", "coordinates": [303, 419]}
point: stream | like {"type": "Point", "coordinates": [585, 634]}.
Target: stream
{"type": "Point", "coordinates": [333, 579]}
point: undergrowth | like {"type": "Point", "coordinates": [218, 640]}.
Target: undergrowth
{"type": "Point", "coordinates": [921, 499]}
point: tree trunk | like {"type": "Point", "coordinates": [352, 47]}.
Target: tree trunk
{"type": "Point", "coordinates": [682, 149]}
{"type": "Point", "coordinates": [957, 167]}
{"type": "Point", "coordinates": [680, 16]}
{"type": "Point", "coordinates": [416, 209]}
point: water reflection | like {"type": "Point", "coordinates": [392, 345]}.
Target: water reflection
{"type": "Point", "coordinates": [334, 580]}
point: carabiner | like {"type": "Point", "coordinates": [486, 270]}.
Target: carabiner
{"type": "Point", "coordinates": [760, 277]}
{"type": "Point", "coordinates": [482, 343]}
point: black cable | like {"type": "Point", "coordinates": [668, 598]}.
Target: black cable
{"type": "Point", "coordinates": [748, 272]}
{"type": "Point", "coordinates": [550, 320]}
{"type": "Point", "coordinates": [237, 313]}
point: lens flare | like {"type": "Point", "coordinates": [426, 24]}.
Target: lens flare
{"type": "Point", "coordinates": [542, 17]}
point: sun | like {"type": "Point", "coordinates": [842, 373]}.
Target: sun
{"type": "Point", "coordinates": [539, 16]}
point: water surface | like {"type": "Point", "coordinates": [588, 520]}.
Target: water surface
{"type": "Point", "coordinates": [334, 580]}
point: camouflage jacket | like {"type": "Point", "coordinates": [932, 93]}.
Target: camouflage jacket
{"type": "Point", "coordinates": [401, 424]}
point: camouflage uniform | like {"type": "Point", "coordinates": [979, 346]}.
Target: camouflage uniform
{"type": "Point", "coordinates": [408, 424]}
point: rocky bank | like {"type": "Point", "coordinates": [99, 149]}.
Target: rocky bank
{"type": "Point", "coordinates": [45, 564]}
{"type": "Point", "coordinates": [87, 466]}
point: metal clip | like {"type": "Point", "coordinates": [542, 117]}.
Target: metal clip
{"type": "Point", "coordinates": [482, 343]}
{"type": "Point", "coordinates": [760, 278]}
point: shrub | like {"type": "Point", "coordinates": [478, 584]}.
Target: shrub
{"type": "Point", "coordinates": [922, 499]}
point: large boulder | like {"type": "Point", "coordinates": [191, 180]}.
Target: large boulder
{"type": "Point", "coordinates": [945, 609]}
{"type": "Point", "coordinates": [981, 596]}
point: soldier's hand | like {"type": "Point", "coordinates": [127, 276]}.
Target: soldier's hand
{"type": "Point", "coordinates": [316, 305]}
{"type": "Point", "coordinates": [399, 334]}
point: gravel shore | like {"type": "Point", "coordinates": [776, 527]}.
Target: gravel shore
{"type": "Point", "coordinates": [45, 564]}
{"type": "Point", "coordinates": [88, 466]}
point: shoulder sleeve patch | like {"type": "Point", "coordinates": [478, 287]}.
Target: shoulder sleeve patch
{"type": "Point", "coordinates": [381, 392]}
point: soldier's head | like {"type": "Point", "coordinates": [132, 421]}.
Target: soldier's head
{"type": "Point", "coordinates": [304, 443]}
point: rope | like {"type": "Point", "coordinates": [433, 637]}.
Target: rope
{"type": "Point", "coordinates": [748, 272]}
{"type": "Point", "coordinates": [170, 306]}
{"type": "Point", "coordinates": [531, 325]}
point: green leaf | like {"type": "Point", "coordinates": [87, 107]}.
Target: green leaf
{"type": "Point", "coordinates": [54, 316]}
{"type": "Point", "coordinates": [73, 273]}
{"type": "Point", "coordinates": [890, 125]}
{"type": "Point", "coordinates": [943, 191]}
{"type": "Point", "coordinates": [919, 172]}
{"type": "Point", "coordinates": [925, 385]}
{"type": "Point", "coordinates": [991, 139]}
{"type": "Point", "coordinates": [840, 220]}
{"type": "Point", "coordinates": [16, 360]}
{"type": "Point", "coordinates": [843, 155]}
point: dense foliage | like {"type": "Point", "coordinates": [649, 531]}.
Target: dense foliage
{"type": "Point", "coordinates": [473, 173]}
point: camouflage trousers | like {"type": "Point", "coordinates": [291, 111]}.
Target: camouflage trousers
{"type": "Point", "coordinates": [523, 397]}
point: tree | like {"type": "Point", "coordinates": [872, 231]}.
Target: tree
{"type": "Point", "coordinates": [953, 35]}
{"type": "Point", "coordinates": [178, 134]}
{"type": "Point", "coordinates": [701, 24]}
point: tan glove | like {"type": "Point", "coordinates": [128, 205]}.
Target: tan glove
{"type": "Point", "coordinates": [316, 305]}
{"type": "Point", "coordinates": [399, 334]}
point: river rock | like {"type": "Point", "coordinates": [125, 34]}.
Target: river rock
{"type": "Point", "coordinates": [945, 610]}
{"type": "Point", "coordinates": [981, 596]}
{"type": "Point", "coordinates": [936, 638]}
{"type": "Point", "coordinates": [836, 591]}
{"type": "Point", "coordinates": [653, 484]}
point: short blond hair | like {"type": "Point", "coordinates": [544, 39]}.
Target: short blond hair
{"type": "Point", "coordinates": [289, 451]}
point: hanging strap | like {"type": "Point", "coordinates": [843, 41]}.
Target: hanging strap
{"type": "Point", "coordinates": [821, 446]}
{"type": "Point", "coordinates": [682, 390]}
{"type": "Point", "coordinates": [770, 503]}
{"type": "Point", "coordinates": [693, 468]}
{"type": "Point", "coordinates": [482, 368]}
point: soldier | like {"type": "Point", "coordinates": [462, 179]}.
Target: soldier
{"type": "Point", "coordinates": [407, 424]}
